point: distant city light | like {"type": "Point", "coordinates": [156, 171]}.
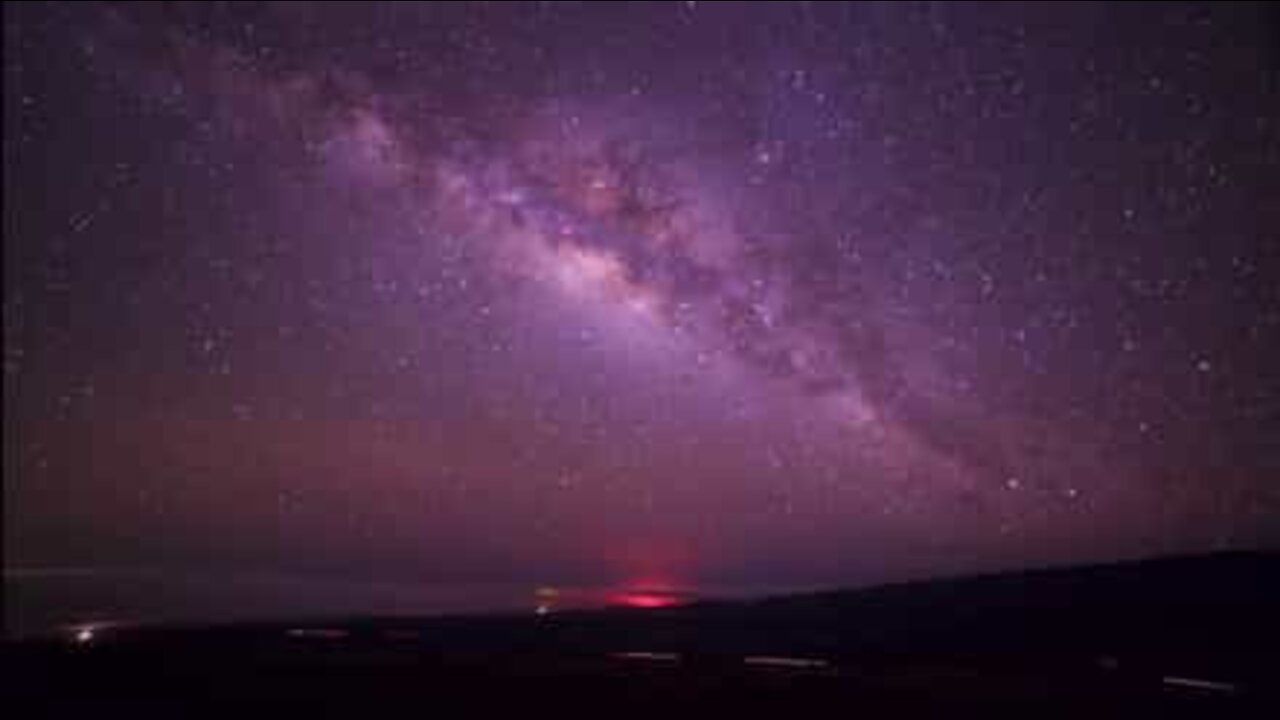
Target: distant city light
{"type": "Point", "coordinates": [646, 600]}
{"type": "Point", "coordinates": [650, 656]}
{"type": "Point", "coordinates": [776, 661]}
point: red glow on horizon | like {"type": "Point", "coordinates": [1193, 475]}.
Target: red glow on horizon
{"type": "Point", "coordinates": [644, 599]}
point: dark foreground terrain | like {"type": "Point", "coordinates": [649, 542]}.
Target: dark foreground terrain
{"type": "Point", "coordinates": [1182, 637]}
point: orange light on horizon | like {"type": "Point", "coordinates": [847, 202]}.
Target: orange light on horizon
{"type": "Point", "coordinates": [644, 599]}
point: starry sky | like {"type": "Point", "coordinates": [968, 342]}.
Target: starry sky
{"type": "Point", "coordinates": [685, 293]}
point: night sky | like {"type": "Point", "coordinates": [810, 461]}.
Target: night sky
{"type": "Point", "coordinates": [682, 293]}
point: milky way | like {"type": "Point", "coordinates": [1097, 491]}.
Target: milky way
{"type": "Point", "coordinates": [696, 292]}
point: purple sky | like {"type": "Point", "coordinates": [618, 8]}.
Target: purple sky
{"type": "Point", "coordinates": [681, 293]}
